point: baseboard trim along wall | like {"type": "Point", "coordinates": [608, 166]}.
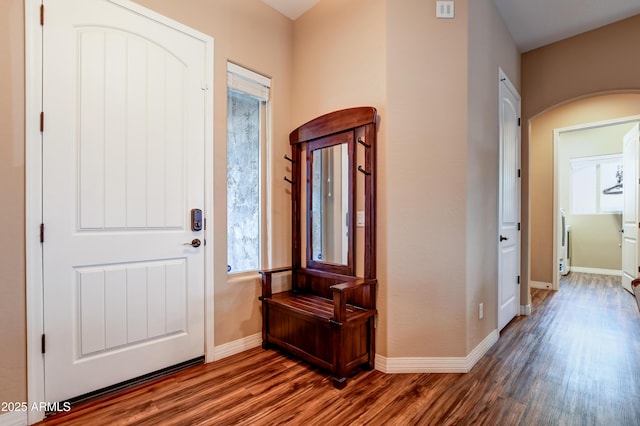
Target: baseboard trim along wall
{"type": "Point", "coordinates": [14, 418]}
{"type": "Point", "coordinates": [617, 273]}
{"type": "Point", "coordinates": [237, 346]}
{"type": "Point", "coordinates": [437, 364]}
{"type": "Point", "coordinates": [384, 364]}
{"type": "Point", "coordinates": [540, 284]}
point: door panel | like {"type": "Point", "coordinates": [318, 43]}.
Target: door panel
{"type": "Point", "coordinates": [509, 206]}
{"type": "Point", "coordinates": [630, 213]}
{"type": "Point", "coordinates": [123, 151]}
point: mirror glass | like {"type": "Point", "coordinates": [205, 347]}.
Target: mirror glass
{"type": "Point", "coordinates": [330, 204]}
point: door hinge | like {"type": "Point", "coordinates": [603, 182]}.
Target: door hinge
{"type": "Point", "coordinates": [205, 223]}
{"type": "Point", "coordinates": [518, 279]}
{"type": "Point", "coordinates": [518, 172]}
{"type": "Point", "coordinates": [518, 226]}
{"type": "Point", "coordinates": [42, 121]}
{"type": "Point", "coordinates": [42, 232]}
{"type": "Point", "coordinates": [42, 344]}
{"type": "Point", "coordinates": [518, 121]}
{"type": "Point", "coordinates": [42, 14]}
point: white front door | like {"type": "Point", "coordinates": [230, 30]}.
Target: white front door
{"type": "Point", "coordinates": [509, 204]}
{"type": "Point", "coordinates": [123, 165]}
{"type": "Point", "coordinates": [630, 221]}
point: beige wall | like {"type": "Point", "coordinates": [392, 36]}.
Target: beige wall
{"type": "Point", "coordinates": [588, 110]}
{"type": "Point", "coordinates": [599, 61]}
{"type": "Point", "coordinates": [426, 198]}
{"type": "Point", "coordinates": [13, 381]}
{"type": "Point", "coordinates": [490, 48]}
{"type": "Point", "coordinates": [596, 241]}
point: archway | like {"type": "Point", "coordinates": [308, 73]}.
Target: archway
{"type": "Point", "coordinates": [542, 214]}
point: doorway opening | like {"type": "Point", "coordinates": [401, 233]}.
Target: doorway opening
{"type": "Point", "coordinates": [588, 197]}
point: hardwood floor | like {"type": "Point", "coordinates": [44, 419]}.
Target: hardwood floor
{"type": "Point", "coordinates": [574, 361]}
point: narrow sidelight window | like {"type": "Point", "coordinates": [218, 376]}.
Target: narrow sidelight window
{"type": "Point", "coordinates": [247, 112]}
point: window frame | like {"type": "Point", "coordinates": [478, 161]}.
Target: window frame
{"type": "Point", "coordinates": [258, 86]}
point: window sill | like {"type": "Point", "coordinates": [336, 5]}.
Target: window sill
{"type": "Point", "coordinates": [242, 277]}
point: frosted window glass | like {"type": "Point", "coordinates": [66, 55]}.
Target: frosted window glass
{"type": "Point", "coordinates": [243, 182]}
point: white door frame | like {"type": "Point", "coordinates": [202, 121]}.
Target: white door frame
{"type": "Point", "coordinates": [555, 283]}
{"type": "Point", "coordinates": [33, 192]}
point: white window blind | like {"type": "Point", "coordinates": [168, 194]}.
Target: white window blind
{"type": "Point", "coordinates": [590, 177]}
{"type": "Point", "coordinates": [248, 82]}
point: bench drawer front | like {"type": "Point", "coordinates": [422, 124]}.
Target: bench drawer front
{"type": "Point", "coordinates": [303, 332]}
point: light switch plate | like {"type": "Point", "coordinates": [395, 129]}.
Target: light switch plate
{"type": "Point", "coordinates": [360, 219]}
{"type": "Point", "coordinates": [445, 9]}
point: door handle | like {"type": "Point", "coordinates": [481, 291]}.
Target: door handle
{"type": "Point", "coordinates": [194, 243]}
{"type": "Point", "coordinates": [503, 238]}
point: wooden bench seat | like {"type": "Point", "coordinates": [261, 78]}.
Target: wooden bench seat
{"type": "Point", "coordinates": [317, 307]}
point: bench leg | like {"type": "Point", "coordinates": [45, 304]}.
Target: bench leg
{"type": "Point", "coordinates": [339, 382]}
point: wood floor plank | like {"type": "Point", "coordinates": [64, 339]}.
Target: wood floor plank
{"type": "Point", "coordinates": [574, 361]}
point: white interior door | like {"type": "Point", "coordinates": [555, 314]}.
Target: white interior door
{"type": "Point", "coordinates": [509, 204]}
{"type": "Point", "coordinates": [123, 165]}
{"type": "Point", "coordinates": [630, 213]}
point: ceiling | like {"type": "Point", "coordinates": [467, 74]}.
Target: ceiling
{"type": "Point", "coordinates": [539, 22]}
{"type": "Point", "coordinates": [532, 23]}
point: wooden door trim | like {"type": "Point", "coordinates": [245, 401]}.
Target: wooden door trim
{"type": "Point", "coordinates": [34, 192]}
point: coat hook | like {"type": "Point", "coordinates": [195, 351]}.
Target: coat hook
{"type": "Point", "coordinates": [361, 141]}
{"type": "Point", "coordinates": [360, 169]}
{"type": "Point", "coordinates": [289, 180]}
{"type": "Point", "coordinates": [286, 157]}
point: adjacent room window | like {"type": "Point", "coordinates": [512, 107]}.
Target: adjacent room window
{"type": "Point", "coordinates": [596, 184]}
{"type": "Point", "coordinates": [247, 112]}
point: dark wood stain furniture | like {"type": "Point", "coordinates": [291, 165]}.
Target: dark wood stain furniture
{"type": "Point", "coordinates": [328, 317]}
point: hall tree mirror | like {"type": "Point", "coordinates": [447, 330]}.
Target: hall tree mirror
{"type": "Point", "coordinates": [330, 204]}
{"type": "Point", "coordinates": [334, 197]}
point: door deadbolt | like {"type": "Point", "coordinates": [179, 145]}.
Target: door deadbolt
{"type": "Point", "coordinates": [196, 220]}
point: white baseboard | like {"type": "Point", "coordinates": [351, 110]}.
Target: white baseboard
{"type": "Point", "coordinates": [237, 346]}
{"type": "Point", "coordinates": [525, 310]}
{"type": "Point", "coordinates": [600, 271]}
{"type": "Point", "coordinates": [540, 284]}
{"type": "Point", "coordinates": [15, 418]}
{"type": "Point", "coordinates": [437, 365]}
